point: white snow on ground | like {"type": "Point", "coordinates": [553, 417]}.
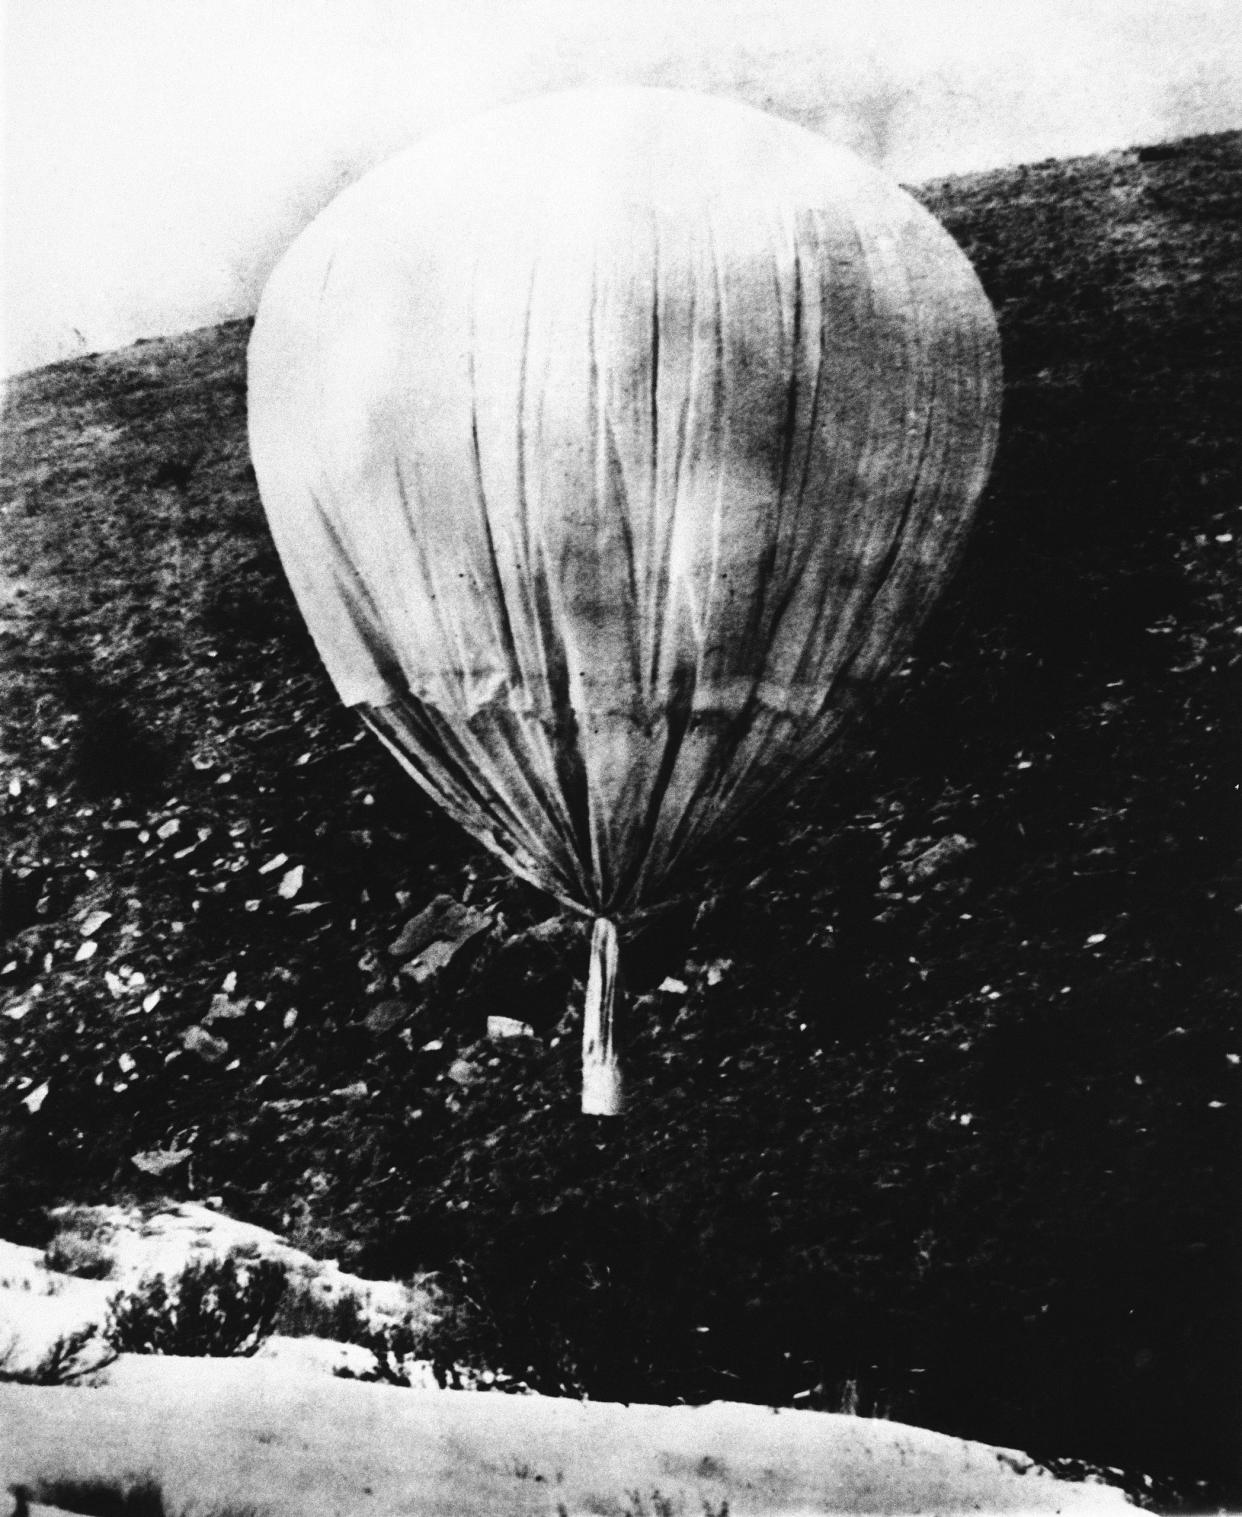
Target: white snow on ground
{"type": "Point", "coordinates": [39, 1304]}
{"type": "Point", "coordinates": [277, 1433]}
{"type": "Point", "coordinates": [291, 1444]}
{"type": "Point", "coordinates": [164, 1241]}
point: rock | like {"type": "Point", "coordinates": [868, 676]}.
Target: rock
{"type": "Point", "coordinates": [435, 957]}
{"type": "Point", "coordinates": [462, 1072]}
{"type": "Point", "coordinates": [386, 1015]}
{"type": "Point", "coordinates": [357, 1091]}
{"type": "Point", "coordinates": [508, 1027]}
{"type": "Point", "coordinates": [936, 859]}
{"type": "Point", "coordinates": [223, 1008]}
{"type": "Point", "coordinates": [443, 920]}
{"type": "Point", "coordinates": [432, 939]}
{"type": "Point", "coordinates": [159, 1161]}
{"type": "Point", "coordinates": [198, 1040]}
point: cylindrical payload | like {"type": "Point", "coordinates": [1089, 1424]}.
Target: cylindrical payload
{"type": "Point", "coordinates": [615, 444]}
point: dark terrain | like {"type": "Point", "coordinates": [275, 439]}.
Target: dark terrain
{"type": "Point", "coordinates": [952, 1137]}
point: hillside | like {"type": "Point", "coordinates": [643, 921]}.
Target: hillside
{"type": "Point", "coordinates": [952, 1136]}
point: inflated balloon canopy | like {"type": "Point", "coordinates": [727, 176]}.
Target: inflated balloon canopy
{"type": "Point", "coordinates": [615, 444]}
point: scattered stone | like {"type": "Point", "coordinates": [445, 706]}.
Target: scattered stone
{"type": "Point", "coordinates": [36, 1098]}
{"type": "Point", "coordinates": [159, 1161]}
{"type": "Point", "coordinates": [937, 859]}
{"type": "Point", "coordinates": [432, 939]}
{"type": "Point", "coordinates": [224, 1008]}
{"type": "Point", "coordinates": [508, 1027]}
{"type": "Point", "coordinates": [440, 919]}
{"type": "Point", "coordinates": [462, 1072]}
{"type": "Point", "coordinates": [430, 962]}
{"type": "Point", "coordinates": [386, 1015]}
{"type": "Point", "coordinates": [198, 1040]}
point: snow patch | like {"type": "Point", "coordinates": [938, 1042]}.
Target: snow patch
{"type": "Point", "coordinates": [293, 1444]}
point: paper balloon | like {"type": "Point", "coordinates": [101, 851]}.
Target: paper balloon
{"type": "Point", "coordinates": [615, 444]}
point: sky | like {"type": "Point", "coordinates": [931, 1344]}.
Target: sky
{"type": "Point", "coordinates": [157, 156]}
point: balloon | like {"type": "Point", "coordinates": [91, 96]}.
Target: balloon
{"type": "Point", "coordinates": [615, 444]}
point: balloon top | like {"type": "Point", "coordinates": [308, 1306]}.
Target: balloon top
{"type": "Point", "coordinates": [615, 443]}
{"type": "Point", "coordinates": [671, 152]}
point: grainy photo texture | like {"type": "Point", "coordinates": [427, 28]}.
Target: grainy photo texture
{"type": "Point", "coordinates": [619, 748]}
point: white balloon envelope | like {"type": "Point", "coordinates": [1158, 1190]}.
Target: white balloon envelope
{"type": "Point", "coordinates": [615, 444]}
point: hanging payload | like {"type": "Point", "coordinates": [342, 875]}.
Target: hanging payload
{"type": "Point", "coordinates": [614, 443]}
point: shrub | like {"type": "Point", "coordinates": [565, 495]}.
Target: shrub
{"type": "Point", "coordinates": [113, 1498]}
{"type": "Point", "coordinates": [86, 1258]}
{"type": "Point", "coordinates": [456, 1346]}
{"type": "Point", "coordinates": [214, 1309]}
{"type": "Point", "coordinates": [309, 1313]}
{"type": "Point", "coordinates": [78, 1354]}
{"type": "Point", "coordinates": [391, 1346]}
{"type": "Point", "coordinates": [98, 1498]}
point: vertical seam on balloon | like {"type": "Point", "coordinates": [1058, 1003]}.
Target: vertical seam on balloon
{"type": "Point", "coordinates": [611, 452]}
{"type": "Point", "coordinates": [369, 628]}
{"type": "Point", "coordinates": [655, 349]}
{"type": "Point", "coordinates": [798, 556]}
{"type": "Point", "coordinates": [476, 457]}
{"type": "Point", "coordinates": [863, 630]}
{"type": "Point", "coordinates": [720, 450]}
{"type": "Point", "coordinates": [680, 680]}
{"type": "Point", "coordinates": [754, 648]}
{"type": "Point", "coordinates": [595, 828]}
{"type": "Point", "coordinates": [947, 415]}
{"type": "Point", "coordinates": [838, 317]}
{"type": "Point", "coordinates": [600, 858]}
{"type": "Point", "coordinates": [531, 551]}
{"type": "Point", "coordinates": [319, 364]}
{"type": "Point", "coordinates": [863, 588]}
{"type": "Point", "coordinates": [416, 541]}
{"type": "Point", "coordinates": [650, 610]}
{"type": "Point", "coordinates": [789, 575]}
{"type": "Point", "coordinates": [604, 451]}
{"type": "Point", "coordinates": [559, 816]}
{"type": "Point", "coordinates": [839, 613]}
{"type": "Point", "coordinates": [720, 397]}
{"type": "Point", "coordinates": [797, 571]}
{"type": "Point", "coordinates": [816, 388]}
{"type": "Point", "coordinates": [665, 546]}
{"type": "Point", "coordinates": [344, 571]}
{"type": "Point", "coordinates": [554, 673]}
{"type": "Point", "coordinates": [924, 389]}
{"type": "Point", "coordinates": [792, 392]}
{"type": "Point", "coordinates": [565, 745]}
{"type": "Point", "coordinates": [842, 314]}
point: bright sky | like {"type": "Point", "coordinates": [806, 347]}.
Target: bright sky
{"type": "Point", "coordinates": [158, 155]}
